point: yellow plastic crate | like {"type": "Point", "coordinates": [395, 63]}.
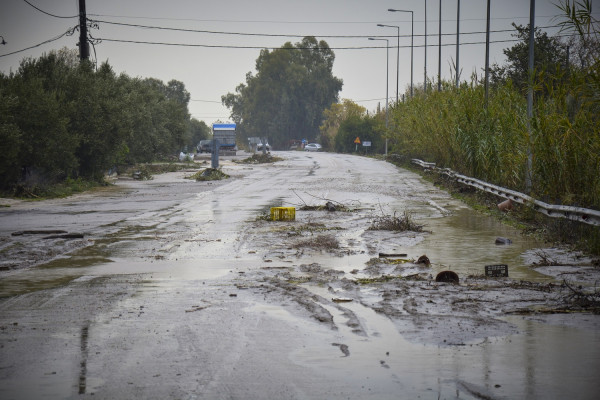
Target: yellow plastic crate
{"type": "Point", "coordinates": [283, 213]}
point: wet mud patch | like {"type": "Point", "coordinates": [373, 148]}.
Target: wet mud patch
{"type": "Point", "coordinates": [304, 237]}
{"type": "Point", "coordinates": [449, 314]}
{"type": "Point", "coordinates": [291, 288]}
{"type": "Point", "coordinates": [321, 242]}
{"type": "Point", "coordinates": [24, 251]}
{"type": "Point", "coordinates": [566, 265]}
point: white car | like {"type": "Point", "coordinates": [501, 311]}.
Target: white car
{"type": "Point", "coordinates": [259, 147]}
{"type": "Point", "coordinates": [312, 147]}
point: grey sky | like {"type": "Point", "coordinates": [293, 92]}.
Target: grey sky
{"type": "Point", "coordinates": [210, 72]}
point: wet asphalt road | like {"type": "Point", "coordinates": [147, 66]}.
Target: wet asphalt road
{"type": "Point", "coordinates": [171, 294]}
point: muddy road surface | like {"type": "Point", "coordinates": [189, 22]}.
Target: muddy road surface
{"type": "Point", "coordinates": [172, 288]}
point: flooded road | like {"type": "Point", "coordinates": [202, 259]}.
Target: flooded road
{"type": "Point", "coordinates": [182, 289]}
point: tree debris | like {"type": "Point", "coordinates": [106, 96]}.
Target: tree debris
{"type": "Point", "coordinates": [395, 223]}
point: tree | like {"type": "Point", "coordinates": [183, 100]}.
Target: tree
{"type": "Point", "coordinates": [199, 131]}
{"type": "Point", "coordinates": [10, 139]}
{"type": "Point", "coordinates": [60, 118]}
{"type": "Point", "coordinates": [549, 60]}
{"type": "Point", "coordinates": [367, 128]}
{"type": "Point", "coordinates": [286, 98]}
{"type": "Point", "coordinates": [333, 117]}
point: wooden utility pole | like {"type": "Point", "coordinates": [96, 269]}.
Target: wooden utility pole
{"type": "Point", "coordinates": [84, 50]}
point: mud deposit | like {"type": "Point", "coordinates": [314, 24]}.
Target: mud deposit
{"type": "Point", "coordinates": [183, 289]}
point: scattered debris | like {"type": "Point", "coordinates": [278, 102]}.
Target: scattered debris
{"type": "Point", "coordinates": [497, 270]}
{"type": "Point", "coordinates": [506, 205]}
{"type": "Point", "coordinates": [65, 236]}
{"type": "Point", "coordinates": [209, 174]}
{"type": "Point", "coordinates": [395, 223]}
{"type": "Point", "coordinates": [423, 260]}
{"type": "Point", "coordinates": [341, 300]}
{"type": "Point", "coordinates": [283, 213]}
{"type": "Point", "coordinates": [447, 276]}
{"type": "Point", "coordinates": [545, 260]}
{"type": "Point", "coordinates": [343, 348]}
{"type": "Point", "coordinates": [378, 261]}
{"type": "Point", "coordinates": [196, 308]}
{"type": "Point", "coordinates": [330, 206]}
{"type": "Point", "coordinates": [578, 300]}
{"type": "Point", "coordinates": [323, 242]}
{"type": "Point", "coordinates": [312, 268]}
{"type": "Point", "coordinates": [260, 158]}
{"type": "Point", "coordinates": [39, 232]}
{"type": "Point", "coordinates": [385, 255]}
{"type": "Point", "coordinates": [503, 241]}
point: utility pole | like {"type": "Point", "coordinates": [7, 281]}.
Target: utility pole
{"type": "Point", "coordinates": [487, 54]}
{"type": "Point", "coordinates": [425, 69]}
{"type": "Point", "coordinates": [440, 51]}
{"type": "Point", "coordinates": [457, 44]}
{"type": "Point", "coordinates": [84, 50]}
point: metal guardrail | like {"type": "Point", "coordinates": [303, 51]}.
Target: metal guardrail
{"type": "Point", "coordinates": [585, 215]}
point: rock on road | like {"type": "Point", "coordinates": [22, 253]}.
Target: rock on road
{"type": "Point", "coordinates": [182, 289]}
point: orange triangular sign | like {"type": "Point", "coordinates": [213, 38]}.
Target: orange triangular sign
{"type": "Point", "coordinates": [357, 140]}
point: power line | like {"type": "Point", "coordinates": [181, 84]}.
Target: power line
{"type": "Point", "coordinates": [216, 46]}
{"type": "Point", "coordinates": [296, 35]}
{"type": "Point", "coordinates": [67, 33]}
{"type": "Point", "coordinates": [219, 46]}
{"type": "Point", "coordinates": [47, 13]}
{"type": "Point", "coordinates": [298, 22]}
{"type": "Point", "coordinates": [364, 101]}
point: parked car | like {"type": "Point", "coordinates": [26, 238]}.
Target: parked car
{"type": "Point", "coordinates": [259, 147]}
{"type": "Point", "coordinates": [204, 146]}
{"type": "Point", "coordinates": [312, 147]}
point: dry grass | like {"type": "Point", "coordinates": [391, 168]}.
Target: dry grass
{"type": "Point", "coordinates": [322, 242]}
{"type": "Point", "coordinates": [209, 174]}
{"type": "Point", "coordinates": [260, 158]}
{"type": "Point", "coordinates": [395, 223]}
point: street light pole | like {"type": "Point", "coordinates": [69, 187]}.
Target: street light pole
{"type": "Point", "coordinates": [440, 51]}
{"type": "Point", "coordinates": [397, 59]}
{"type": "Point", "coordinates": [425, 81]}
{"type": "Point", "coordinates": [457, 44]}
{"type": "Point", "coordinates": [412, 37]}
{"type": "Point", "coordinates": [387, 63]}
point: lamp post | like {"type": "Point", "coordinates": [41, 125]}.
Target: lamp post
{"type": "Point", "coordinates": [397, 59]}
{"type": "Point", "coordinates": [440, 51]}
{"type": "Point", "coordinates": [387, 64]}
{"type": "Point", "coordinates": [457, 43]}
{"type": "Point", "coordinates": [412, 36]}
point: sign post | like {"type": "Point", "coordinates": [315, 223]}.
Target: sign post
{"type": "Point", "coordinates": [356, 142]}
{"type": "Point", "coordinates": [366, 144]}
{"type": "Point", "coordinates": [498, 270]}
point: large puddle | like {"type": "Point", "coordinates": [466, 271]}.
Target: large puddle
{"type": "Point", "coordinates": [541, 361]}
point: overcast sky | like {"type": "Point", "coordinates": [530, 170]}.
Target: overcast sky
{"type": "Point", "coordinates": [213, 64]}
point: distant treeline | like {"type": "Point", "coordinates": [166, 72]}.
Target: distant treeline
{"type": "Point", "coordinates": [62, 119]}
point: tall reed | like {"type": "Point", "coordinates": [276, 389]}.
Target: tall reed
{"type": "Point", "coordinates": [454, 129]}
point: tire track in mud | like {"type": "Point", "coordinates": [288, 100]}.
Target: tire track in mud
{"type": "Point", "coordinates": [279, 286]}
